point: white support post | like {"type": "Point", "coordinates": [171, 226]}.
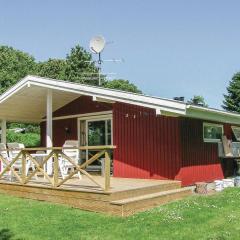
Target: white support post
{"type": "Point", "coordinates": [49, 129]}
{"type": "Point", "coordinates": [3, 138]}
{"type": "Point", "coordinates": [4, 131]}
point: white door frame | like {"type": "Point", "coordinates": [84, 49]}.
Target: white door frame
{"type": "Point", "coordinates": [91, 118]}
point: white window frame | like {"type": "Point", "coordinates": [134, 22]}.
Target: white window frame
{"type": "Point", "coordinates": [237, 128]}
{"type": "Point", "coordinates": [211, 140]}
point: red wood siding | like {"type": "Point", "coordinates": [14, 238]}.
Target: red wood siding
{"type": "Point", "coordinates": [59, 133]}
{"type": "Point", "coordinates": [150, 146]}
{"type": "Point", "coordinates": [83, 104]}
{"type": "Point", "coordinates": [200, 160]}
{"type": "Point", "coordinates": [80, 105]}
{"type": "Point", "coordinates": [147, 146]}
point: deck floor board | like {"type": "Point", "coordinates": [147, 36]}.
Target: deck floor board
{"type": "Point", "coordinates": [85, 184]}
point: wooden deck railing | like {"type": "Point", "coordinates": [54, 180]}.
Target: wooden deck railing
{"type": "Point", "coordinates": [55, 153]}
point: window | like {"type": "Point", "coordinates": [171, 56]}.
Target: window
{"type": "Point", "coordinates": [212, 132]}
{"type": "Point", "coordinates": [236, 132]}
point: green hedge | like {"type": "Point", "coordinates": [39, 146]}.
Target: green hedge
{"type": "Point", "coordinates": [28, 139]}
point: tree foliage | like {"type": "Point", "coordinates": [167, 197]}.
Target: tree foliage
{"type": "Point", "coordinates": [28, 139]}
{"type": "Point", "coordinates": [77, 67]}
{"type": "Point", "coordinates": [232, 98]}
{"type": "Point", "coordinates": [123, 85]}
{"type": "Point", "coordinates": [80, 67]}
{"type": "Point", "coordinates": [52, 68]}
{"type": "Point", "coordinates": [198, 100]}
{"type": "Point", "coordinates": [14, 65]}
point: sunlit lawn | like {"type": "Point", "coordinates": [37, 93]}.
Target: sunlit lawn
{"type": "Point", "coordinates": [197, 217]}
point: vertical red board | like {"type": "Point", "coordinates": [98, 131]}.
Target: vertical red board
{"type": "Point", "coordinates": [146, 145]}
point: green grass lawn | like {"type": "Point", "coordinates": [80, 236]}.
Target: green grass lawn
{"type": "Point", "coordinates": [196, 217]}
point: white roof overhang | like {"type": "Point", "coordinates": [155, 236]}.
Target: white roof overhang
{"type": "Point", "coordinates": [211, 114]}
{"type": "Point", "coordinates": [26, 101]}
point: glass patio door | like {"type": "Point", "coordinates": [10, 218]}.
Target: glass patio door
{"type": "Point", "coordinates": [95, 132]}
{"type": "Point", "coordinates": [99, 132]}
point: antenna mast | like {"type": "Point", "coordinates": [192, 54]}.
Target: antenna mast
{"type": "Point", "coordinates": [99, 68]}
{"type": "Point", "coordinates": [96, 46]}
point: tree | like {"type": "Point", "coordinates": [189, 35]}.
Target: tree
{"type": "Point", "coordinates": [14, 65]}
{"type": "Point", "coordinates": [52, 68]}
{"type": "Point", "coordinates": [77, 67]}
{"type": "Point", "coordinates": [80, 67]}
{"type": "Point", "coordinates": [122, 84]}
{"type": "Point", "coordinates": [198, 100]}
{"type": "Point", "coordinates": [232, 98]}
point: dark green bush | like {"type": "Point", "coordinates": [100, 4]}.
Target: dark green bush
{"type": "Point", "coordinates": [28, 139]}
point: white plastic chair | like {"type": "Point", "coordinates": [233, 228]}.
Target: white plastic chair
{"type": "Point", "coordinates": [64, 164]}
{"type": "Point", "coordinates": [13, 150]}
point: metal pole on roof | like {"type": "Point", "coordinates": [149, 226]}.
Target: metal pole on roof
{"type": "Point", "coordinates": [99, 68]}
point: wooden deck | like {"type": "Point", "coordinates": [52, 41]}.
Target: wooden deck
{"type": "Point", "coordinates": [125, 197]}
{"type": "Point", "coordinates": [117, 196]}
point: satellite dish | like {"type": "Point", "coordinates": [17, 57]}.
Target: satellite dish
{"type": "Point", "coordinates": [97, 44]}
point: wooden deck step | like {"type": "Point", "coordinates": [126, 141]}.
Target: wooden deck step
{"type": "Point", "coordinates": [125, 197]}
{"type": "Point", "coordinates": [131, 193]}
{"type": "Point", "coordinates": [129, 206]}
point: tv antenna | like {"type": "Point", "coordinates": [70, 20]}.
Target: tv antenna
{"type": "Point", "coordinates": [96, 46]}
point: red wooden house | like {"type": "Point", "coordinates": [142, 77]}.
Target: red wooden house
{"type": "Point", "coordinates": [155, 138]}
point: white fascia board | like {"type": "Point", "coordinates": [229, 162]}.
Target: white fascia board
{"type": "Point", "coordinates": [97, 92]}
{"type": "Point", "coordinates": [98, 99]}
{"type": "Point", "coordinates": [217, 111]}
{"type": "Point", "coordinates": [130, 98]}
{"type": "Point", "coordinates": [212, 115]}
{"type": "Point", "coordinates": [21, 84]}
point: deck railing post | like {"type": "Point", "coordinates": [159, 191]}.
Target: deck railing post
{"type": "Point", "coordinates": [24, 167]}
{"type": "Point", "coordinates": [55, 168]}
{"type": "Point", "coordinates": [107, 171]}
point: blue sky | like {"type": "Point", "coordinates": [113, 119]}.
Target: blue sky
{"type": "Point", "coordinates": [171, 48]}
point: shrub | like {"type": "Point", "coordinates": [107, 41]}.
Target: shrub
{"type": "Point", "coordinates": [28, 139]}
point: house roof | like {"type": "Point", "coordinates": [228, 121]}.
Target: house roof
{"type": "Point", "coordinates": [26, 101]}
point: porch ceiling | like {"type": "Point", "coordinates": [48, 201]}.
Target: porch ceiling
{"type": "Point", "coordinates": [29, 103]}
